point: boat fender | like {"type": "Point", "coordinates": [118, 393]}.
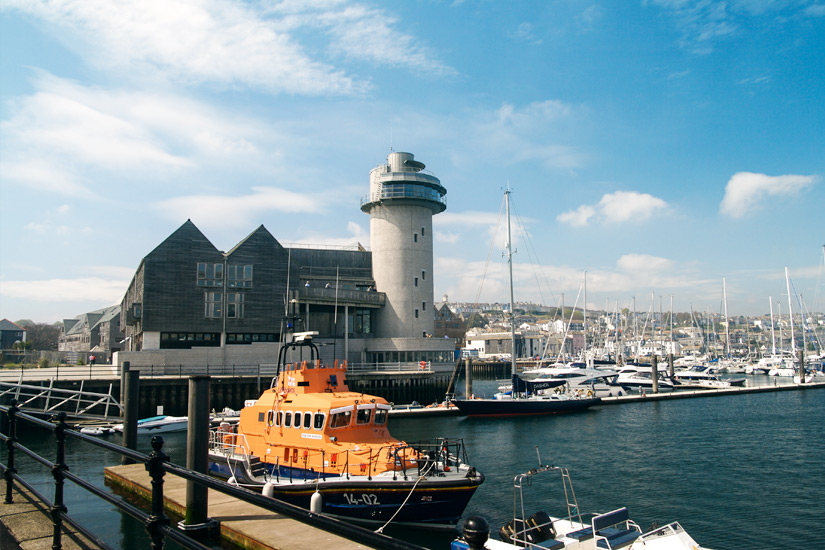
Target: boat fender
{"type": "Point", "coordinates": [232, 481]}
{"type": "Point", "coordinates": [316, 502]}
{"type": "Point", "coordinates": [269, 489]}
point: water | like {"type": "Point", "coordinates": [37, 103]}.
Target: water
{"type": "Point", "coordinates": [739, 471]}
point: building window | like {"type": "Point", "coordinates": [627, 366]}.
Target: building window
{"type": "Point", "coordinates": [234, 305]}
{"type": "Point", "coordinates": [423, 306]}
{"type": "Point", "coordinates": [422, 231]}
{"type": "Point", "coordinates": [212, 309]}
{"type": "Point", "coordinates": [239, 276]}
{"type": "Point", "coordinates": [423, 275]}
{"type": "Point", "coordinates": [210, 274]}
{"type": "Point", "coordinates": [416, 281]}
{"type": "Point", "coordinates": [416, 313]}
{"type": "Point", "coordinates": [415, 237]}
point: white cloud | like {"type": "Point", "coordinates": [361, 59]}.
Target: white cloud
{"type": "Point", "coordinates": [250, 45]}
{"type": "Point", "coordinates": [643, 262]}
{"type": "Point", "coordinates": [618, 207]}
{"type": "Point", "coordinates": [579, 217]}
{"type": "Point", "coordinates": [745, 191]}
{"type": "Point", "coordinates": [208, 211]}
{"type": "Point", "coordinates": [65, 129]}
{"type": "Point", "coordinates": [623, 206]}
{"type": "Point", "coordinates": [107, 291]}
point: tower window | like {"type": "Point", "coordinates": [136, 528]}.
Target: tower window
{"type": "Point", "coordinates": [415, 283]}
{"type": "Point", "coordinates": [415, 237]}
{"type": "Point", "coordinates": [422, 231]}
{"type": "Point", "coordinates": [423, 275]}
{"type": "Point", "coordinates": [423, 306]}
{"type": "Point", "coordinates": [416, 313]}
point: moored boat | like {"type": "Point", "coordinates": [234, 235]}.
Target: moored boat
{"type": "Point", "coordinates": [310, 441]}
{"type": "Point", "coordinates": [529, 398]}
{"type": "Point", "coordinates": [574, 530]}
{"type": "Point", "coordinates": [159, 424]}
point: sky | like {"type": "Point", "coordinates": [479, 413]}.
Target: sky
{"type": "Point", "coordinates": [672, 150]}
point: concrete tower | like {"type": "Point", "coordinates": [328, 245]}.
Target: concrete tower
{"type": "Point", "coordinates": [401, 204]}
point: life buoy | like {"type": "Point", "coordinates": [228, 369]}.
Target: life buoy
{"type": "Point", "coordinates": [423, 365]}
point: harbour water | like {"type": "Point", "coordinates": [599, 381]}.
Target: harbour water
{"type": "Point", "coordinates": [737, 471]}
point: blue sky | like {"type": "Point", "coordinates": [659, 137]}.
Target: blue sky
{"type": "Point", "coordinates": [659, 145]}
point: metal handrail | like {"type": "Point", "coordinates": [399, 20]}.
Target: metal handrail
{"type": "Point", "coordinates": [157, 464]}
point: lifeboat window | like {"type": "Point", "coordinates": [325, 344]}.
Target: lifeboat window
{"type": "Point", "coordinates": [270, 418]}
{"type": "Point", "coordinates": [286, 454]}
{"type": "Point", "coordinates": [319, 421]}
{"type": "Point", "coordinates": [364, 416]}
{"type": "Point", "coordinates": [287, 420]}
{"type": "Point", "coordinates": [307, 421]}
{"type": "Point", "coordinates": [341, 419]}
{"type": "Point", "coordinates": [381, 416]}
{"type": "Point", "coordinates": [297, 422]}
{"type": "Point", "coordinates": [260, 417]}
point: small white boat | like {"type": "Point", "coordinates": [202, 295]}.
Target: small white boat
{"type": "Point", "coordinates": [159, 424]}
{"type": "Point", "coordinates": [97, 430]}
{"type": "Point", "coordinates": [577, 531]}
{"type": "Point", "coordinates": [701, 376]}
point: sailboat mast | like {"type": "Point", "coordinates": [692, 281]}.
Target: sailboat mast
{"type": "Point", "coordinates": [773, 334]}
{"type": "Point", "coordinates": [790, 310]}
{"type": "Point", "coordinates": [512, 310]}
{"type": "Point", "coordinates": [584, 352]}
{"type": "Point", "coordinates": [727, 332]}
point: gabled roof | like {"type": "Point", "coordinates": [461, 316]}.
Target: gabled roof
{"type": "Point", "coordinates": [90, 320]}
{"type": "Point", "coordinates": [7, 325]}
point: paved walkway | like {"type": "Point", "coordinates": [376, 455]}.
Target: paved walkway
{"type": "Point", "coordinates": [26, 525]}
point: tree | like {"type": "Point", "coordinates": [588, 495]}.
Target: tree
{"type": "Point", "coordinates": [476, 320]}
{"type": "Point", "coordinates": [43, 337]}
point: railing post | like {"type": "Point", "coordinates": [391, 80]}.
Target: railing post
{"type": "Point", "coordinates": [10, 470]}
{"type": "Point", "coordinates": [158, 520]}
{"type": "Point", "coordinates": [57, 471]}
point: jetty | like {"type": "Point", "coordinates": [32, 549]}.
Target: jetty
{"type": "Point", "coordinates": [241, 523]}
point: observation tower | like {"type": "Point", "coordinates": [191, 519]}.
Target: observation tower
{"type": "Point", "coordinates": [401, 203]}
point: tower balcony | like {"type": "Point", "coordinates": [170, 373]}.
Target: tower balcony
{"type": "Point", "coordinates": [407, 188]}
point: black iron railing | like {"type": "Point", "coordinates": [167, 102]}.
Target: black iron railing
{"type": "Point", "coordinates": [157, 464]}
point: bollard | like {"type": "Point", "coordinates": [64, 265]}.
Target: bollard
{"type": "Point", "coordinates": [196, 522]}
{"type": "Point", "coordinates": [654, 373]}
{"type": "Point", "coordinates": [468, 378]}
{"type": "Point", "coordinates": [130, 412]}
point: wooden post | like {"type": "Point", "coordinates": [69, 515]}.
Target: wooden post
{"type": "Point", "coordinates": [468, 378]}
{"type": "Point", "coordinates": [801, 357]}
{"type": "Point", "coordinates": [654, 373]}
{"type": "Point", "coordinates": [670, 371]}
{"type": "Point", "coordinates": [131, 403]}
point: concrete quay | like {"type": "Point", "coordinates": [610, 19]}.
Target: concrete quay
{"type": "Point", "coordinates": [241, 523]}
{"type": "Point", "coordinates": [25, 524]}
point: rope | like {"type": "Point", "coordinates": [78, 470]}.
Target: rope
{"type": "Point", "coordinates": [381, 529]}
